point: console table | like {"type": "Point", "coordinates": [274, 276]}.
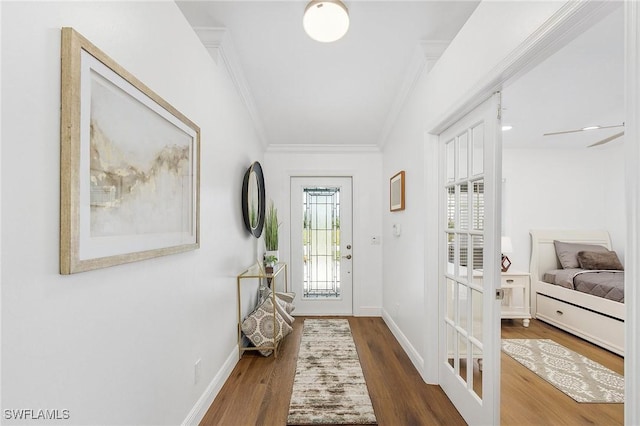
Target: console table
{"type": "Point", "coordinates": [266, 281]}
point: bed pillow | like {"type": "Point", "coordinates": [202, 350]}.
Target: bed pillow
{"type": "Point", "coordinates": [259, 327]}
{"type": "Point", "coordinates": [568, 252]}
{"type": "Point", "coordinates": [600, 260]}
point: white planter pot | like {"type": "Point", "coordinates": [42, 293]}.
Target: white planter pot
{"type": "Point", "coordinates": [275, 253]}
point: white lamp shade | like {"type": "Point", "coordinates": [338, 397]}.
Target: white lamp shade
{"type": "Point", "coordinates": [326, 20]}
{"type": "Point", "coordinates": [505, 245]}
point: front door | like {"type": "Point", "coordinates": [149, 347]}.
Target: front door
{"type": "Point", "coordinates": [321, 245]}
{"type": "Point", "coordinates": [469, 276]}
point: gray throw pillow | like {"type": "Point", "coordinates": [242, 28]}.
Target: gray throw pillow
{"type": "Point", "coordinates": [568, 252]}
{"type": "Point", "coordinates": [600, 260]}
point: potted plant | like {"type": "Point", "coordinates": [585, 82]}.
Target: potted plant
{"type": "Point", "coordinates": [271, 226]}
{"type": "Point", "coordinates": [269, 263]}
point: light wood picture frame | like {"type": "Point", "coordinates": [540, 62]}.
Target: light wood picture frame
{"type": "Point", "coordinates": [396, 192]}
{"type": "Point", "coordinates": [129, 165]}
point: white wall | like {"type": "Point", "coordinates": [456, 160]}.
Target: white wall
{"type": "Point", "coordinates": [404, 255]}
{"type": "Point", "coordinates": [491, 34]}
{"type": "Point", "coordinates": [365, 168]}
{"type": "Point", "coordinates": [1, 325]}
{"type": "Point", "coordinates": [117, 345]}
{"type": "Point", "coordinates": [562, 189]}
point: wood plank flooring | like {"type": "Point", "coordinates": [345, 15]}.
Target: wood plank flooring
{"type": "Point", "coordinates": [530, 400]}
{"type": "Point", "coordinates": [259, 389]}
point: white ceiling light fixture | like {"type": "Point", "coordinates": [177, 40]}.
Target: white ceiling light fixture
{"type": "Point", "coordinates": [507, 127]}
{"type": "Point", "coordinates": [326, 20]}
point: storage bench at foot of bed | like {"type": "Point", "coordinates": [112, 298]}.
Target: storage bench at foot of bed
{"type": "Point", "coordinates": [600, 329]}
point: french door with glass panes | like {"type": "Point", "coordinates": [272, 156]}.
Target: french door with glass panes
{"type": "Point", "coordinates": [321, 246]}
{"type": "Point", "coordinates": [470, 232]}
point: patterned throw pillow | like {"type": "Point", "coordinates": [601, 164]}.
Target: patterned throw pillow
{"type": "Point", "coordinates": [282, 310]}
{"type": "Point", "coordinates": [287, 297]}
{"type": "Point", "coordinates": [259, 327]}
{"type": "Point", "coordinates": [287, 300]}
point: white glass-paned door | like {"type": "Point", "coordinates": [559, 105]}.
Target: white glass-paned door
{"type": "Point", "coordinates": [321, 248]}
{"type": "Point", "coordinates": [469, 322]}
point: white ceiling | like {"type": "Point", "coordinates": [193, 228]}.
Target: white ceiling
{"type": "Point", "coordinates": [580, 85]}
{"type": "Point", "coordinates": [342, 93]}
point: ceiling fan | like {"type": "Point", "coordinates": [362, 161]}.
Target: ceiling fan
{"type": "Point", "coordinates": [586, 129]}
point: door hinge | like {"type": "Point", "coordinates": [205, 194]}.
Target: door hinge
{"type": "Point", "coordinates": [499, 294]}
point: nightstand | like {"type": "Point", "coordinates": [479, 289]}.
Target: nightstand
{"type": "Point", "coordinates": [516, 287]}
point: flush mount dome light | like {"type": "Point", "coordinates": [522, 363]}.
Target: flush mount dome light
{"type": "Point", "coordinates": [326, 20]}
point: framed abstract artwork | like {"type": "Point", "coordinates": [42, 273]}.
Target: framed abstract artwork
{"type": "Point", "coordinates": [130, 165]}
{"type": "Point", "coordinates": [396, 192]}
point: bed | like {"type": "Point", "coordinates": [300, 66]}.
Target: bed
{"type": "Point", "coordinates": [597, 319]}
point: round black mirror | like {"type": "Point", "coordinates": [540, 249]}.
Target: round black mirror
{"type": "Point", "coordinates": [253, 199]}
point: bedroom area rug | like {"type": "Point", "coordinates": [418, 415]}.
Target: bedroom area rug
{"type": "Point", "coordinates": [329, 386]}
{"type": "Point", "coordinates": [577, 376]}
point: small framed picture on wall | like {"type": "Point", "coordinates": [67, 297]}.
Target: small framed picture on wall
{"type": "Point", "coordinates": [396, 192]}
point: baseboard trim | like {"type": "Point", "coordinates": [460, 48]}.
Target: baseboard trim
{"type": "Point", "coordinates": [198, 411]}
{"type": "Point", "coordinates": [416, 359]}
{"type": "Point", "coordinates": [368, 311]}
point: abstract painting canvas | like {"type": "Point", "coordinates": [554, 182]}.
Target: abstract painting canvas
{"type": "Point", "coordinates": [129, 166]}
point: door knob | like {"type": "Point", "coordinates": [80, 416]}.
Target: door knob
{"type": "Point", "coordinates": [347, 256]}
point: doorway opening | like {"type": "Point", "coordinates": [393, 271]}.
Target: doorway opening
{"type": "Point", "coordinates": [579, 86]}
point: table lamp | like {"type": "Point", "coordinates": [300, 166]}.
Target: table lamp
{"type": "Point", "coordinates": [505, 247]}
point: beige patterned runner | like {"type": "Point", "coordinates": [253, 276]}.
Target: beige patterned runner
{"type": "Point", "coordinates": [576, 375]}
{"type": "Point", "coordinates": [329, 386]}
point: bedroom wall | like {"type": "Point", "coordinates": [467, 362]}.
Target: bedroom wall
{"type": "Point", "coordinates": [575, 189]}
{"type": "Point", "coordinates": [410, 262]}
{"type": "Point", "coordinates": [365, 169]}
{"type": "Point", "coordinates": [117, 345]}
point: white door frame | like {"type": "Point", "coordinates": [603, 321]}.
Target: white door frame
{"type": "Point", "coordinates": [570, 20]}
{"type": "Point", "coordinates": [632, 187]}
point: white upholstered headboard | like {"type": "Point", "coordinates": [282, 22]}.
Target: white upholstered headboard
{"type": "Point", "coordinates": [543, 251]}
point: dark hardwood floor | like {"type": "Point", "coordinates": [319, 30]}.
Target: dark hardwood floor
{"type": "Point", "coordinates": [259, 389]}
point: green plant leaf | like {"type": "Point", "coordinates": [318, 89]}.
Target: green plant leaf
{"type": "Point", "coordinates": [271, 226]}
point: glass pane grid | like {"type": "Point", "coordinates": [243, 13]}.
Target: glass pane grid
{"type": "Point", "coordinates": [321, 242]}
{"type": "Point", "coordinates": [464, 244]}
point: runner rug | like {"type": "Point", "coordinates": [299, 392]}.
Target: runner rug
{"type": "Point", "coordinates": [577, 376]}
{"type": "Point", "coordinates": [329, 386]}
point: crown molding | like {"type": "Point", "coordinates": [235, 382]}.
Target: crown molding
{"type": "Point", "coordinates": [425, 55]}
{"type": "Point", "coordinates": [321, 148]}
{"type": "Point", "coordinates": [218, 43]}
{"type": "Point", "coordinates": [432, 50]}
